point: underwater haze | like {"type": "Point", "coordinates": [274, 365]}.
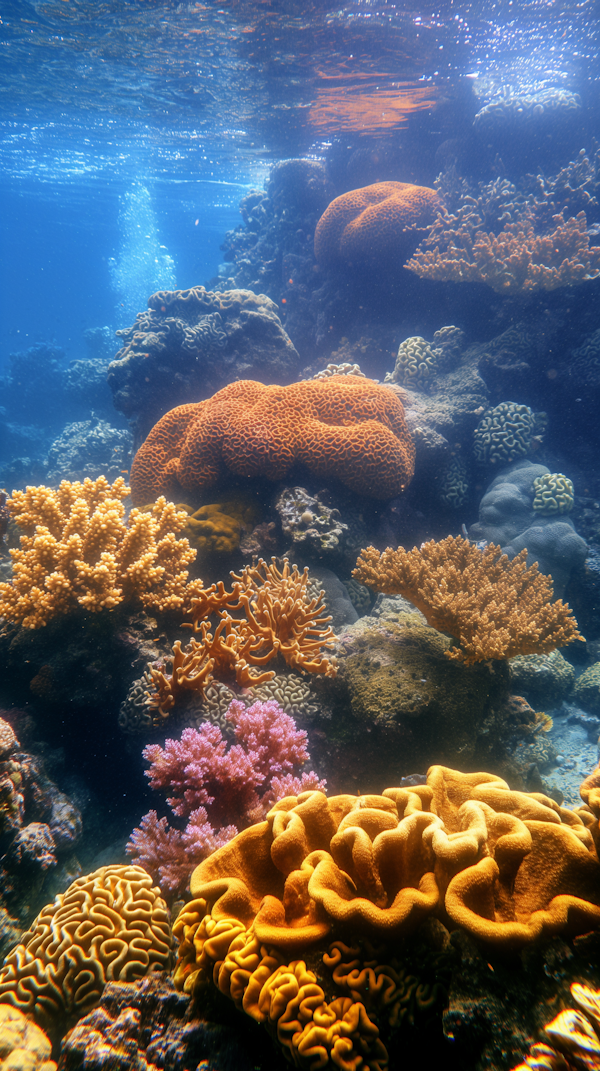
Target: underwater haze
{"type": "Point", "coordinates": [299, 535]}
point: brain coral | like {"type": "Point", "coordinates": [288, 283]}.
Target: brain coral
{"type": "Point", "coordinates": [374, 223]}
{"type": "Point", "coordinates": [111, 925]}
{"type": "Point", "coordinates": [344, 427]}
{"type": "Point", "coordinates": [554, 493]}
{"type": "Point", "coordinates": [505, 433]}
{"type": "Point", "coordinates": [508, 867]}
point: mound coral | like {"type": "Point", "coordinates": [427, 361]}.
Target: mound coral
{"type": "Point", "coordinates": [494, 607]}
{"type": "Point", "coordinates": [506, 432]}
{"type": "Point", "coordinates": [464, 847]}
{"type": "Point", "coordinates": [79, 551]}
{"type": "Point", "coordinates": [216, 528]}
{"type": "Point", "coordinates": [237, 784]}
{"type": "Point", "coordinates": [554, 493]}
{"type": "Point", "coordinates": [23, 1046]}
{"type": "Point", "coordinates": [278, 618]}
{"type": "Point", "coordinates": [345, 427]}
{"type": "Point", "coordinates": [374, 223]}
{"type": "Point", "coordinates": [107, 926]}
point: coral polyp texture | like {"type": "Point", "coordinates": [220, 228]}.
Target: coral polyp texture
{"type": "Point", "coordinates": [23, 1045]}
{"type": "Point", "coordinates": [111, 925]}
{"type": "Point", "coordinates": [277, 617]}
{"type": "Point", "coordinates": [373, 224]}
{"type": "Point", "coordinates": [79, 551]}
{"type": "Point", "coordinates": [493, 607]}
{"type": "Point", "coordinates": [287, 894]}
{"type": "Point", "coordinates": [344, 427]}
{"type": "Point", "coordinates": [507, 432]}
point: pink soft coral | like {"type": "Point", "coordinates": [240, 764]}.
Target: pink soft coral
{"type": "Point", "coordinates": [236, 783]}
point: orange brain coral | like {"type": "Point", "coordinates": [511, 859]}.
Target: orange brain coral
{"type": "Point", "coordinates": [345, 427]}
{"type": "Point", "coordinates": [374, 223]}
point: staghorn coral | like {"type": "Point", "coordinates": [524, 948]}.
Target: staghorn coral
{"type": "Point", "coordinates": [237, 784]}
{"type": "Point", "coordinates": [554, 493]}
{"type": "Point", "coordinates": [278, 618]}
{"type": "Point", "coordinates": [107, 926]}
{"type": "Point", "coordinates": [506, 432]}
{"type": "Point", "coordinates": [493, 607]}
{"type": "Point", "coordinates": [345, 427]}
{"type": "Point", "coordinates": [23, 1046]}
{"type": "Point", "coordinates": [463, 847]}
{"type": "Point", "coordinates": [517, 259]}
{"type": "Point", "coordinates": [374, 223]}
{"type": "Point", "coordinates": [79, 551]}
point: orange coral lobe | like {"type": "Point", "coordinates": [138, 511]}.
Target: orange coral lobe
{"type": "Point", "coordinates": [374, 223]}
{"type": "Point", "coordinates": [344, 427]}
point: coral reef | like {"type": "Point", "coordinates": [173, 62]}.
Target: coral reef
{"type": "Point", "coordinates": [89, 448]}
{"type": "Point", "coordinates": [344, 369]}
{"type": "Point", "coordinates": [505, 433]}
{"type": "Point", "coordinates": [193, 342]}
{"type": "Point", "coordinates": [507, 517]}
{"type": "Point", "coordinates": [586, 691]}
{"type": "Point", "coordinates": [453, 486]}
{"type": "Point", "coordinates": [108, 925]}
{"type": "Point", "coordinates": [345, 427]}
{"type": "Point", "coordinates": [574, 1036]}
{"type": "Point", "coordinates": [374, 224]}
{"type": "Point", "coordinates": [278, 618]}
{"type": "Point", "coordinates": [23, 1045]}
{"type": "Point", "coordinates": [311, 525]}
{"type": "Point", "coordinates": [146, 1025]}
{"type": "Point", "coordinates": [493, 607]}
{"type": "Point", "coordinates": [217, 527]}
{"type": "Point", "coordinates": [554, 493]}
{"type": "Point", "coordinates": [547, 679]}
{"type": "Point", "coordinates": [218, 789]}
{"type": "Point", "coordinates": [78, 551]}
{"type": "Point", "coordinates": [501, 864]}
{"type": "Point", "coordinates": [418, 362]}
{"type": "Point", "coordinates": [510, 113]}
{"type": "Point", "coordinates": [516, 260]}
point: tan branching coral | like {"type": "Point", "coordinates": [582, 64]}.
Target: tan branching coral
{"type": "Point", "coordinates": [78, 550]}
{"type": "Point", "coordinates": [516, 259]}
{"type": "Point", "coordinates": [493, 607]}
{"type": "Point", "coordinates": [111, 925]}
{"type": "Point", "coordinates": [509, 867]}
{"type": "Point", "coordinates": [274, 615]}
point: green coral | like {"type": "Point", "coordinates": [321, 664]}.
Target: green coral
{"type": "Point", "coordinates": [416, 363]}
{"type": "Point", "coordinates": [506, 433]}
{"type": "Point", "coordinates": [587, 689]}
{"type": "Point", "coordinates": [554, 493]}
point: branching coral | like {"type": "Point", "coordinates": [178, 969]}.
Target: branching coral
{"type": "Point", "coordinates": [78, 550]}
{"type": "Point", "coordinates": [237, 784]}
{"type": "Point", "coordinates": [518, 258]}
{"type": "Point", "coordinates": [277, 617]}
{"type": "Point", "coordinates": [493, 607]}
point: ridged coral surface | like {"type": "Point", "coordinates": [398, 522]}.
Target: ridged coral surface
{"type": "Point", "coordinates": [508, 867]}
{"type": "Point", "coordinates": [78, 550]}
{"type": "Point", "coordinates": [373, 223]}
{"type": "Point", "coordinates": [345, 427]}
{"type": "Point", "coordinates": [23, 1046]}
{"type": "Point", "coordinates": [108, 926]}
{"type": "Point", "coordinates": [494, 607]}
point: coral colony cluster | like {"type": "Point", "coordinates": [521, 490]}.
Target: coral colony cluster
{"type": "Point", "coordinates": [245, 614]}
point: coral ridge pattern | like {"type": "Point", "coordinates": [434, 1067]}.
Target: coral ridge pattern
{"type": "Point", "coordinates": [345, 427]}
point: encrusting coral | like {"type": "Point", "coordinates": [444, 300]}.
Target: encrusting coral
{"type": "Point", "coordinates": [493, 607]}
{"type": "Point", "coordinates": [219, 789]}
{"type": "Point", "coordinates": [78, 550]}
{"type": "Point", "coordinates": [23, 1045]}
{"type": "Point", "coordinates": [277, 618]}
{"type": "Point", "coordinates": [343, 427]}
{"type": "Point", "coordinates": [574, 1035]}
{"type": "Point", "coordinates": [373, 223]}
{"type": "Point", "coordinates": [502, 865]}
{"type": "Point", "coordinates": [109, 925]}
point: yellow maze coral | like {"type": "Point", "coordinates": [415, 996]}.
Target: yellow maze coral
{"type": "Point", "coordinates": [79, 550]}
{"type": "Point", "coordinates": [109, 926]}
